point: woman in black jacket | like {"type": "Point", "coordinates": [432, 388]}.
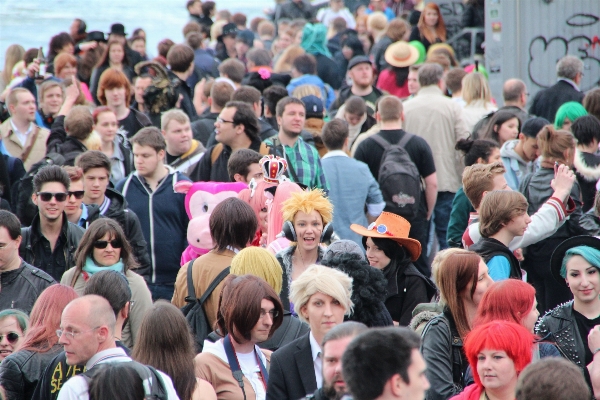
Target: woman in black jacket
{"type": "Point", "coordinates": [20, 371]}
{"type": "Point", "coordinates": [390, 250]}
{"type": "Point", "coordinates": [556, 147]}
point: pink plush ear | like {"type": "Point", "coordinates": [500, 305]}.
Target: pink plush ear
{"type": "Point", "coordinates": [183, 186]}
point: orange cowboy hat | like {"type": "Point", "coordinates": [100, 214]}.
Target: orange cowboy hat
{"type": "Point", "coordinates": [393, 227]}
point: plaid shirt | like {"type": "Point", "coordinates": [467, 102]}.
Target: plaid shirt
{"type": "Point", "coordinates": [304, 159]}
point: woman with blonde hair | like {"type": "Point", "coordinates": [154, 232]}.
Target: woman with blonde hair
{"type": "Point", "coordinates": [307, 215]}
{"type": "Point", "coordinates": [14, 54]}
{"type": "Point", "coordinates": [478, 98]}
{"type": "Point", "coordinates": [376, 25]}
{"type": "Point", "coordinates": [322, 297]}
{"type": "Point", "coordinates": [462, 278]}
{"type": "Point", "coordinates": [284, 64]}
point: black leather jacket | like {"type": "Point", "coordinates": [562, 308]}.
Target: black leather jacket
{"type": "Point", "coordinates": [21, 371]}
{"type": "Point", "coordinates": [442, 349]}
{"type": "Point", "coordinates": [21, 287]}
{"type": "Point", "coordinates": [559, 327]}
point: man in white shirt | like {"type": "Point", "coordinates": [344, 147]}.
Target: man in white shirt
{"type": "Point", "coordinates": [86, 331]}
{"type": "Point", "coordinates": [20, 136]}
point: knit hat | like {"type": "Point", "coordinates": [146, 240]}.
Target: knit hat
{"type": "Point", "coordinates": [533, 126]}
{"type": "Point", "coordinates": [258, 262]}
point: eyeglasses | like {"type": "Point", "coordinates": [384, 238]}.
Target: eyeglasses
{"type": "Point", "coordinates": [102, 244]}
{"type": "Point", "coordinates": [273, 313]}
{"type": "Point", "coordinates": [12, 337]}
{"type": "Point", "coordinates": [78, 194]}
{"type": "Point", "coordinates": [72, 335]}
{"type": "Point", "coordinates": [381, 229]}
{"type": "Point", "coordinates": [47, 196]}
{"type": "Point", "coordinates": [223, 121]}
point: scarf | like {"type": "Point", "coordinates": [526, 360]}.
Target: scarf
{"type": "Point", "coordinates": [91, 267]}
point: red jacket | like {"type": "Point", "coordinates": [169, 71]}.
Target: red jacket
{"type": "Point", "coordinates": [387, 82]}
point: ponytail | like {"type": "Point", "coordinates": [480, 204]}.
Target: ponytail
{"type": "Point", "coordinates": [553, 143]}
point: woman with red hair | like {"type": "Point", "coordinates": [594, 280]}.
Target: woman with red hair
{"type": "Point", "coordinates": [431, 28]}
{"type": "Point", "coordinates": [498, 351]}
{"type": "Point", "coordinates": [115, 56]}
{"type": "Point", "coordinates": [114, 91]}
{"type": "Point", "coordinates": [257, 198]}
{"type": "Point", "coordinates": [20, 371]}
{"type": "Point", "coordinates": [65, 66]}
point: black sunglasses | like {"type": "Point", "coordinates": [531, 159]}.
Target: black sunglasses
{"type": "Point", "coordinates": [78, 194]}
{"type": "Point", "coordinates": [102, 244]}
{"type": "Point", "coordinates": [12, 337]}
{"type": "Point", "coordinates": [47, 196]}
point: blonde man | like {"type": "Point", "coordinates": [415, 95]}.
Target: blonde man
{"type": "Point", "coordinates": [183, 151]}
{"type": "Point", "coordinates": [321, 297]}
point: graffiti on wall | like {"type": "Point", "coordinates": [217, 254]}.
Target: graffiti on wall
{"type": "Point", "coordinates": [545, 52]}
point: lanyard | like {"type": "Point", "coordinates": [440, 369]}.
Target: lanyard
{"type": "Point", "coordinates": [235, 365]}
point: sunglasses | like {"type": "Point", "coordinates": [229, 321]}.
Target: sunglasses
{"type": "Point", "coordinates": [47, 196]}
{"type": "Point", "coordinates": [102, 244]}
{"type": "Point", "coordinates": [78, 194]}
{"type": "Point", "coordinates": [12, 337]}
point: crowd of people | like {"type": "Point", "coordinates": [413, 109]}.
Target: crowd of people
{"type": "Point", "coordinates": [322, 203]}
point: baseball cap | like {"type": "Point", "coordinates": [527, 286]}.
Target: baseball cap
{"type": "Point", "coordinates": [314, 106]}
{"type": "Point", "coordinates": [358, 60]}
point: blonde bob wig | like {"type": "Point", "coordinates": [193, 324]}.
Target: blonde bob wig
{"type": "Point", "coordinates": [320, 279]}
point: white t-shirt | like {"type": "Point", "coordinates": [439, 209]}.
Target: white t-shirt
{"type": "Point", "coordinates": [251, 371]}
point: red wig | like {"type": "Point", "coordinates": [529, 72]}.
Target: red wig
{"type": "Point", "coordinates": [509, 337]}
{"type": "Point", "coordinates": [62, 60]}
{"type": "Point", "coordinates": [111, 79]}
{"type": "Point", "coordinates": [275, 218]}
{"type": "Point", "coordinates": [45, 318]}
{"type": "Point", "coordinates": [100, 110]}
{"type": "Point", "coordinates": [440, 27]}
{"type": "Point", "coordinates": [507, 300]}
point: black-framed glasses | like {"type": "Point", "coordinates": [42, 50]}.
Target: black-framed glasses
{"type": "Point", "coordinates": [223, 121]}
{"type": "Point", "coordinates": [272, 313]}
{"type": "Point", "coordinates": [47, 196]}
{"type": "Point", "coordinates": [12, 337]}
{"type": "Point", "coordinates": [78, 194]}
{"type": "Point", "coordinates": [102, 244]}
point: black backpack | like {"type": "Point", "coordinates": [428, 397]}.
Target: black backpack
{"type": "Point", "coordinates": [399, 178]}
{"type": "Point", "coordinates": [194, 312]}
{"type": "Point", "coordinates": [154, 387]}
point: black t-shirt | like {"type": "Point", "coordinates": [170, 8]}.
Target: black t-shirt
{"type": "Point", "coordinates": [132, 123]}
{"type": "Point", "coordinates": [171, 158]}
{"type": "Point", "coordinates": [584, 326]}
{"type": "Point", "coordinates": [417, 148]}
{"type": "Point", "coordinates": [588, 187]}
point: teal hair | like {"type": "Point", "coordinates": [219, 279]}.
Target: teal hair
{"type": "Point", "coordinates": [571, 110]}
{"type": "Point", "coordinates": [314, 39]}
{"type": "Point", "coordinates": [20, 316]}
{"type": "Point", "coordinates": [590, 255]}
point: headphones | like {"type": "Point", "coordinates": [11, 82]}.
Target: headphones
{"type": "Point", "coordinates": [290, 233]}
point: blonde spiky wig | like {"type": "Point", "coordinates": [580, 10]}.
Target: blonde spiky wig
{"type": "Point", "coordinates": [307, 202]}
{"type": "Point", "coordinates": [320, 279]}
{"type": "Point", "coordinates": [258, 262]}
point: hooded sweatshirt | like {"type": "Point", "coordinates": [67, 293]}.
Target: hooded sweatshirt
{"type": "Point", "coordinates": [587, 167]}
{"type": "Point", "coordinates": [516, 167]}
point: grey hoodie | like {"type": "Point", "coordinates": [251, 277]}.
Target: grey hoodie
{"type": "Point", "coordinates": [516, 167]}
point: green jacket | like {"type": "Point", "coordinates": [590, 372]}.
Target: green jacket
{"type": "Point", "coordinates": [459, 218]}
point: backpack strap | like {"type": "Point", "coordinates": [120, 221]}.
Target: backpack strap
{"type": "Point", "coordinates": [405, 139]}
{"type": "Point", "coordinates": [213, 285]}
{"type": "Point", "coordinates": [216, 152]}
{"type": "Point", "coordinates": [190, 283]}
{"type": "Point", "coordinates": [264, 149]}
{"type": "Point", "coordinates": [381, 141]}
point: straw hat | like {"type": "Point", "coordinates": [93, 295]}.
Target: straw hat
{"type": "Point", "coordinates": [393, 227]}
{"type": "Point", "coordinates": [401, 54]}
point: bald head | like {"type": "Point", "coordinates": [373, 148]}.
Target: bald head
{"type": "Point", "coordinates": [514, 93]}
{"type": "Point", "coordinates": [92, 310]}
